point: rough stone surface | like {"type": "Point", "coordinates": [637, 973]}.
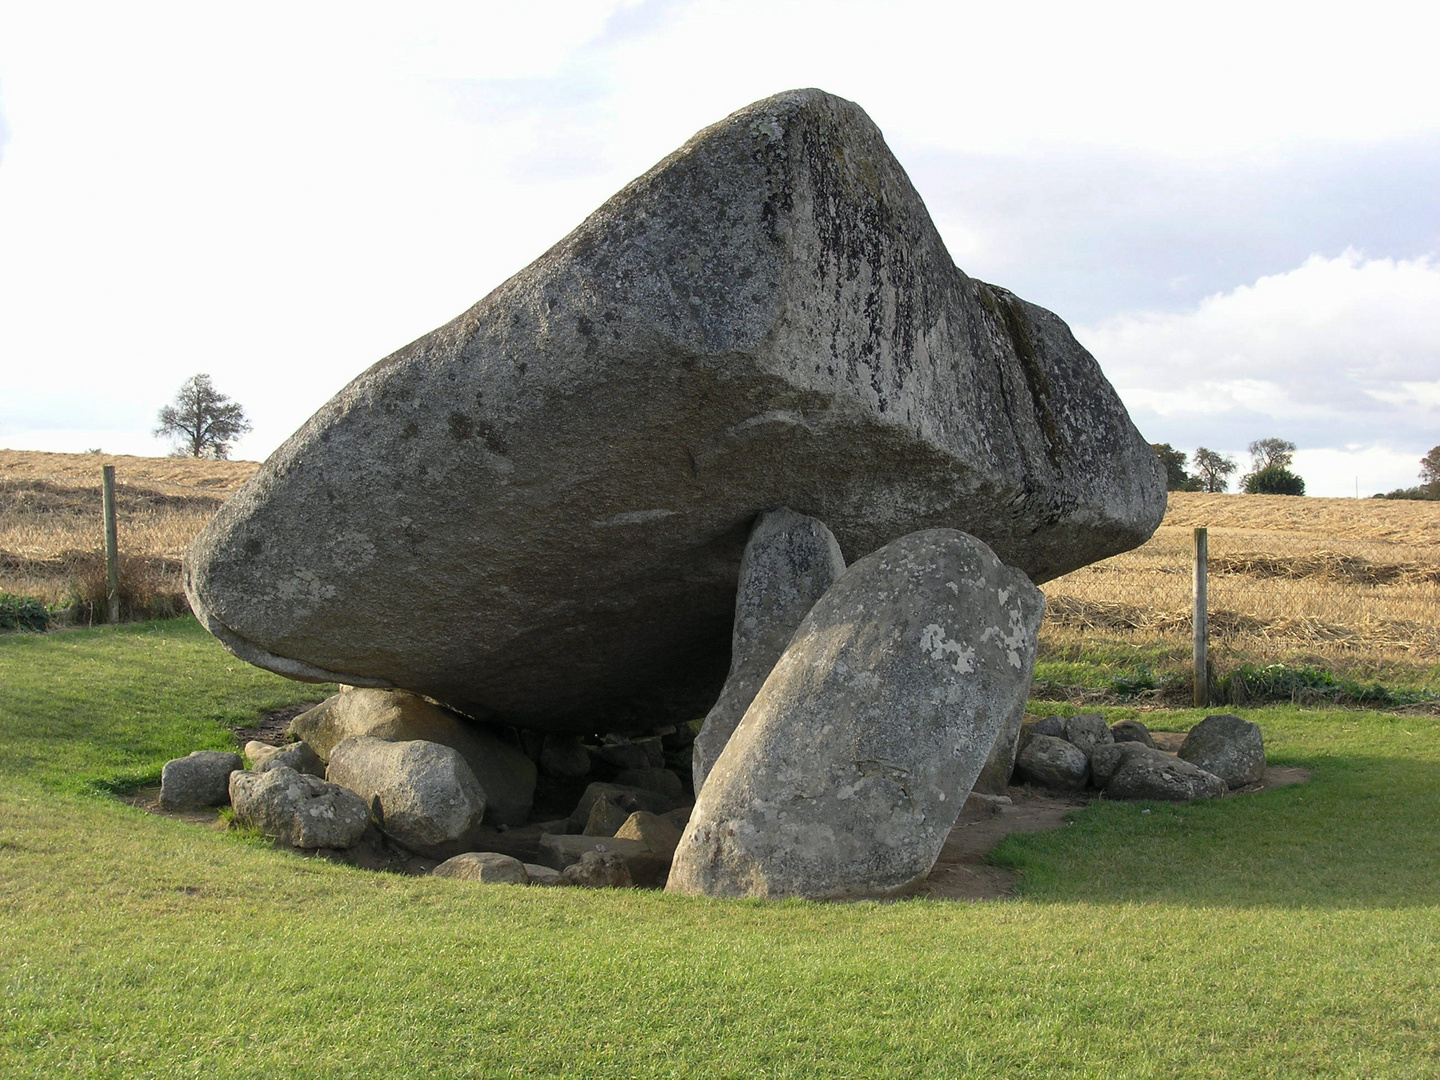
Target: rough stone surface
{"type": "Point", "coordinates": [598, 871]}
{"type": "Point", "coordinates": [1105, 762]}
{"type": "Point", "coordinates": [854, 761]}
{"type": "Point", "coordinates": [646, 868]}
{"type": "Point", "coordinates": [657, 833]}
{"type": "Point", "coordinates": [1086, 732]}
{"type": "Point", "coordinates": [544, 875]}
{"type": "Point", "coordinates": [1031, 726]}
{"type": "Point", "coordinates": [1154, 774]}
{"type": "Point", "coordinates": [1231, 748]}
{"type": "Point", "coordinates": [789, 562]}
{"type": "Point", "coordinates": [630, 798]}
{"type": "Point", "coordinates": [1131, 731]}
{"type": "Point", "coordinates": [420, 793]}
{"type": "Point", "coordinates": [1053, 763]}
{"type": "Point", "coordinates": [564, 756]}
{"type": "Point", "coordinates": [257, 753]}
{"type": "Point", "coordinates": [536, 513]}
{"type": "Point", "coordinates": [995, 775]}
{"type": "Point", "coordinates": [489, 867]}
{"type": "Point", "coordinates": [662, 781]}
{"type": "Point", "coordinates": [505, 773]}
{"type": "Point", "coordinates": [198, 781]}
{"type": "Point", "coordinates": [301, 810]}
{"type": "Point", "coordinates": [606, 817]}
{"type": "Point", "coordinates": [298, 756]}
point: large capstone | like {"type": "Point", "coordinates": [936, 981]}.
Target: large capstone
{"type": "Point", "coordinates": [537, 512]}
{"type": "Point", "coordinates": [852, 764]}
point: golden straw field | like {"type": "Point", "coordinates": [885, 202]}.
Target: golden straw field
{"type": "Point", "coordinates": [1346, 582]}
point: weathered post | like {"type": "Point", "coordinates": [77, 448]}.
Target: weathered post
{"type": "Point", "coordinates": [112, 554]}
{"type": "Point", "coordinates": [1200, 619]}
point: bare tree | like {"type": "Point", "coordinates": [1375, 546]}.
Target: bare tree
{"type": "Point", "coordinates": [203, 421]}
{"type": "Point", "coordinates": [1212, 469]}
{"type": "Point", "coordinates": [1430, 468]}
{"type": "Point", "coordinates": [1266, 453]}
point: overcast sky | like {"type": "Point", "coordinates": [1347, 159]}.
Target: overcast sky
{"type": "Point", "coordinates": [1235, 206]}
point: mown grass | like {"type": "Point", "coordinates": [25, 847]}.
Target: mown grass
{"type": "Point", "coordinates": [1294, 933]}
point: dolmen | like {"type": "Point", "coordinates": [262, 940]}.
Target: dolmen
{"type": "Point", "coordinates": [745, 445]}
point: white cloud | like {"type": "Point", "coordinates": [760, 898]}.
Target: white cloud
{"type": "Point", "coordinates": [1336, 354]}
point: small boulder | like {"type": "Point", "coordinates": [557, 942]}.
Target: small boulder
{"type": "Point", "coordinates": [506, 774]}
{"type": "Point", "coordinates": [298, 756]}
{"type": "Point", "coordinates": [1231, 748]}
{"type": "Point", "coordinates": [564, 756]}
{"type": "Point", "coordinates": [421, 794]}
{"type": "Point", "coordinates": [1030, 726]}
{"type": "Point", "coordinates": [625, 753]}
{"type": "Point", "coordinates": [1052, 762]}
{"type": "Point", "coordinates": [257, 753]}
{"type": "Point", "coordinates": [646, 868]}
{"type": "Point", "coordinates": [606, 816]}
{"type": "Point", "coordinates": [1086, 732]}
{"type": "Point", "coordinates": [661, 781]}
{"type": "Point", "coordinates": [1105, 762]}
{"type": "Point", "coordinates": [630, 798]}
{"type": "Point", "coordinates": [198, 781]}
{"type": "Point", "coordinates": [1154, 774]}
{"type": "Point", "coordinates": [301, 810]}
{"type": "Point", "coordinates": [657, 833]}
{"type": "Point", "coordinates": [599, 871]}
{"type": "Point", "coordinates": [1131, 731]}
{"type": "Point", "coordinates": [544, 875]}
{"type": "Point", "coordinates": [488, 867]}
{"type": "Point", "coordinates": [789, 562]}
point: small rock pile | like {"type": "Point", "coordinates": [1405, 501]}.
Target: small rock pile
{"type": "Point", "coordinates": [1122, 761]}
{"type": "Point", "coordinates": [390, 771]}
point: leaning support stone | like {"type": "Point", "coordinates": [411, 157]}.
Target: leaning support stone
{"type": "Point", "coordinates": [852, 764]}
{"type": "Point", "coordinates": [788, 564]}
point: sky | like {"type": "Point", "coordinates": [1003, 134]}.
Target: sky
{"type": "Point", "coordinates": [1235, 206]}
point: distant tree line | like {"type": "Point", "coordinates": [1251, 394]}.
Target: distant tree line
{"type": "Point", "coordinates": [1269, 473]}
{"type": "Point", "coordinates": [1429, 488]}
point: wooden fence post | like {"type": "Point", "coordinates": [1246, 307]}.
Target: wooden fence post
{"type": "Point", "coordinates": [112, 554]}
{"type": "Point", "coordinates": [1200, 619]}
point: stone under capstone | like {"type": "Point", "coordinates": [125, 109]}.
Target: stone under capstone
{"type": "Point", "coordinates": [536, 513]}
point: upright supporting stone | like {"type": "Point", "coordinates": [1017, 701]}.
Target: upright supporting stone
{"type": "Point", "coordinates": [853, 762]}
{"type": "Point", "coordinates": [788, 564]}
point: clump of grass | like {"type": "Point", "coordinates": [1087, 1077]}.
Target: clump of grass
{"type": "Point", "coordinates": [23, 613]}
{"type": "Point", "coordinates": [147, 590]}
{"type": "Point", "coordinates": [1250, 684]}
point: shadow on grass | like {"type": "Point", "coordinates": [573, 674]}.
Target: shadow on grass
{"type": "Point", "coordinates": [1360, 834]}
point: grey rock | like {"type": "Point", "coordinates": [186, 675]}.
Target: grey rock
{"type": "Point", "coordinates": [198, 781]}
{"type": "Point", "coordinates": [605, 819]}
{"type": "Point", "coordinates": [995, 775]}
{"type": "Point", "coordinates": [662, 781]}
{"type": "Point", "coordinates": [504, 771]}
{"type": "Point", "coordinates": [421, 794]}
{"type": "Point", "coordinates": [564, 756]}
{"type": "Point", "coordinates": [257, 753]}
{"type": "Point", "coordinates": [630, 798]}
{"type": "Point", "coordinates": [660, 834]}
{"type": "Point", "coordinates": [1231, 748]}
{"type": "Point", "coordinates": [1105, 762]}
{"type": "Point", "coordinates": [1031, 726]}
{"type": "Point", "coordinates": [597, 871]}
{"type": "Point", "coordinates": [1086, 732]}
{"type": "Point", "coordinates": [853, 762]}
{"type": "Point", "coordinates": [789, 562]}
{"type": "Point", "coordinates": [646, 868]}
{"type": "Point", "coordinates": [537, 512]}
{"type": "Point", "coordinates": [1154, 774]}
{"type": "Point", "coordinates": [488, 867]}
{"type": "Point", "coordinates": [1053, 763]}
{"type": "Point", "coordinates": [298, 809]}
{"type": "Point", "coordinates": [544, 875]}
{"type": "Point", "coordinates": [1131, 731]}
{"type": "Point", "coordinates": [298, 756]}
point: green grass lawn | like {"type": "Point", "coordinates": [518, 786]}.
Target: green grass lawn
{"type": "Point", "coordinates": [1290, 934]}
